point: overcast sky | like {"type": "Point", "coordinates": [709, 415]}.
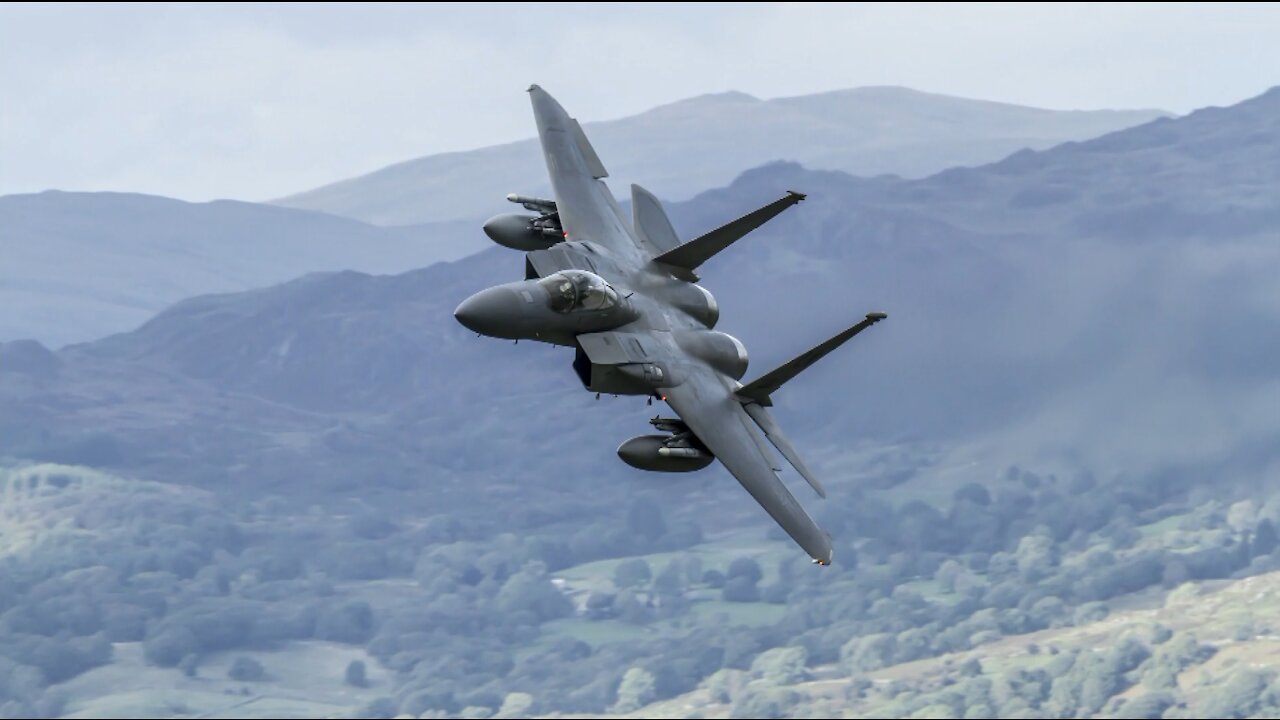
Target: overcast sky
{"type": "Point", "coordinates": [258, 102]}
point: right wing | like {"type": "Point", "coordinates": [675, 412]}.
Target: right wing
{"type": "Point", "coordinates": [716, 417]}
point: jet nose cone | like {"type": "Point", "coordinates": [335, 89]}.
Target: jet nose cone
{"type": "Point", "coordinates": [489, 312]}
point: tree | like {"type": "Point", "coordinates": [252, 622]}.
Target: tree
{"type": "Point", "coordinates": [1126, 655]}
{"type": "Point", "coordinates": [635, 691]}
{"type": "Point", "coordinates": [725, 684]}
{"type": "Point", "coordinates": [629, 609]}
{"type": "Point", "coordinates": [670, 580]}
{"type": "Point", "coordinates": [1091, 612]}
{"type": "Point", "coordinates": [1171, 658]}
{"type": "Point", "coordinates": [972, 493]}
{"type": "Point", "coordinates": [1048, 612]}
{"type": "Point", "coordinates": [871, 652]}
{"type": "Point", "coordinates": [948, 573]}
{"type": "Point", "coordinates": [1265, 538]}
{"type": "Point", "coordinates": [516, 705]}
{"type": "Point", "coordinates": [350, 622]}
{"type": "Point", "coordinates": [246, 669]}
{"type": "Point", "coordinates": [1148, 705]}
{"type": "Point", "coordinates": [763, 703]}
{"type": "Point", "coordinates": [781, 666]}
{"type": "Point", "coordinates": [531, 590]}
{"type": "Point", "coordinates": [740, 589]}
{"type": "Point", "coordinates": [921, 527]}
{"type": "Point", "coordinates": [356, 675]}
{"type": "Point", "coordinates": [169, 645]}
{"type": "Point", "coordinates": [1240, 696]}
{"type": "Point", "coordinates": [631, 573]}
{"type": "Point", "coordinates": [745, 567]}
{"type": "Point", "coordinates": [1242, 516]}
{"type": "Point", "coordinates": [1036, 557]}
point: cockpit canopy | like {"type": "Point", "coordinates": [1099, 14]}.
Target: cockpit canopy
{"type": "Point", "coordinates": [572, 290]}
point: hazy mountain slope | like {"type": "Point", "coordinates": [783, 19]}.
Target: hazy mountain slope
{"type": "Point", "coordinates": [81, 265]}
{"type": "Point", "coordinates": [1083, 327]}
{"type": "Point", "coordinates": [1071, 409]}
{"type": "Point", "coordinates": [683, 148]}
{"type": "Point", "coordinates": [78, 266]}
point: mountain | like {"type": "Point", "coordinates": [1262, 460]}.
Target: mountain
{"type": "Point", "coordinates": [1061, 441]}
{"type": "Point", "coordinates": [1104, 304]}
{"type": "Point", "coordinates": [680, 149]}
{"type": "Point", "coordinates": [82, 265]}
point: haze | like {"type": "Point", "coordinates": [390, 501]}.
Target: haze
{"type": "Point", "coordinates": [260, 102]}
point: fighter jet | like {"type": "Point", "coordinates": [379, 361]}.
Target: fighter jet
{"type": "Point", "coordinates": [622, 293]}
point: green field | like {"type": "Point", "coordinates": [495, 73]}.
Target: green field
{"type": "Point", "coordinates": [304, 680]}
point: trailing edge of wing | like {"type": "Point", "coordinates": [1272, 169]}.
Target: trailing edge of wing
{"type": "Point", "coordinates": [760, 389]}
{"type": "Point", "coordinates": [719, 422]}
{"type": "Point", "coordinates": [700, 249]}
{"type": "Point", "coordinates": [780, 441]}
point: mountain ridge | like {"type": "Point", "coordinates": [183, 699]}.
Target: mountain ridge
{"type": "Point", "coordinates": [865, 131]}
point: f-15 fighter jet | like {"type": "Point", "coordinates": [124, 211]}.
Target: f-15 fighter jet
{"type": "Point", "coordinates": [621, 292]}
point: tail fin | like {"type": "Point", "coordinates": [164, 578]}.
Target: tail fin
{"type": "Point", "coordinates": [651, 221]}
{"type": "Point", "coordinates": [761, 388]}
{"type": "Point", "coordinates": [702, 248]}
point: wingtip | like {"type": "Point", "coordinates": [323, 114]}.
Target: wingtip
{"type": "Point", "coordinates": [877, 316]}
{"type": "Point", "coordinates": [825, 558]}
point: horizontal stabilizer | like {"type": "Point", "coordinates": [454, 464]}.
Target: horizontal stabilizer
{"type": "Point", "coordinates": [700, 249]}
{"type": "Point", "coordinates": [760, 389]}
{"type": "Point", "coordinates": [780, 441]}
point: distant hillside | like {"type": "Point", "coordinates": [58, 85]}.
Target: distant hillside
{"type": "Point", "coordinates": [1063, 433]}
{"type": "Point", "coordinates": [78, 266]}
{"type": "Point", "coordinates": [1106, 303]}
{"type": "Point", "coordinates": [1230, 621]}
{"type": "Point", "coordinates": [683, 148]}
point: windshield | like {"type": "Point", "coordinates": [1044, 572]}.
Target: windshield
{"type": "Point", "coordinates": [578, 290]}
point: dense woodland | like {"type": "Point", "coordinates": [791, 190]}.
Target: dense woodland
{"type": "Point", "coordinates": [128, 562]}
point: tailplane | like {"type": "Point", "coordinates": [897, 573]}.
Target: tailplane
{"type": "Point", "coordinates": [761, 388]}
{"type": "Point", "coordinates": [755, 396]}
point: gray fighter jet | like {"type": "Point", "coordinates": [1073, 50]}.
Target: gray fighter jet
{"type": "Point", "coordinates": [621, 292]}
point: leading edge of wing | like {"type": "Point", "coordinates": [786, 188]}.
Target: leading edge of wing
{"type": "Point", "coordinates": [717, 418]}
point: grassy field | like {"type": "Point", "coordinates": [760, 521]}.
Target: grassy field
{"type": "Point", "coordinates": [304, 680]}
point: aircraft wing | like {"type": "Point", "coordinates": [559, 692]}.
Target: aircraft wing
{"type": "Point", "coordinates": [716, 417]}
{"type": "Point", "coordinates": [588, 211]}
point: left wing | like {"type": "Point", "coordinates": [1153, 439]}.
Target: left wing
{"type": "Point", "coordinates": [715, 415]}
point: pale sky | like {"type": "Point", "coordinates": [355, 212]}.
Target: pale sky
{"type": "Point", "coordinates": [200, 102]}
